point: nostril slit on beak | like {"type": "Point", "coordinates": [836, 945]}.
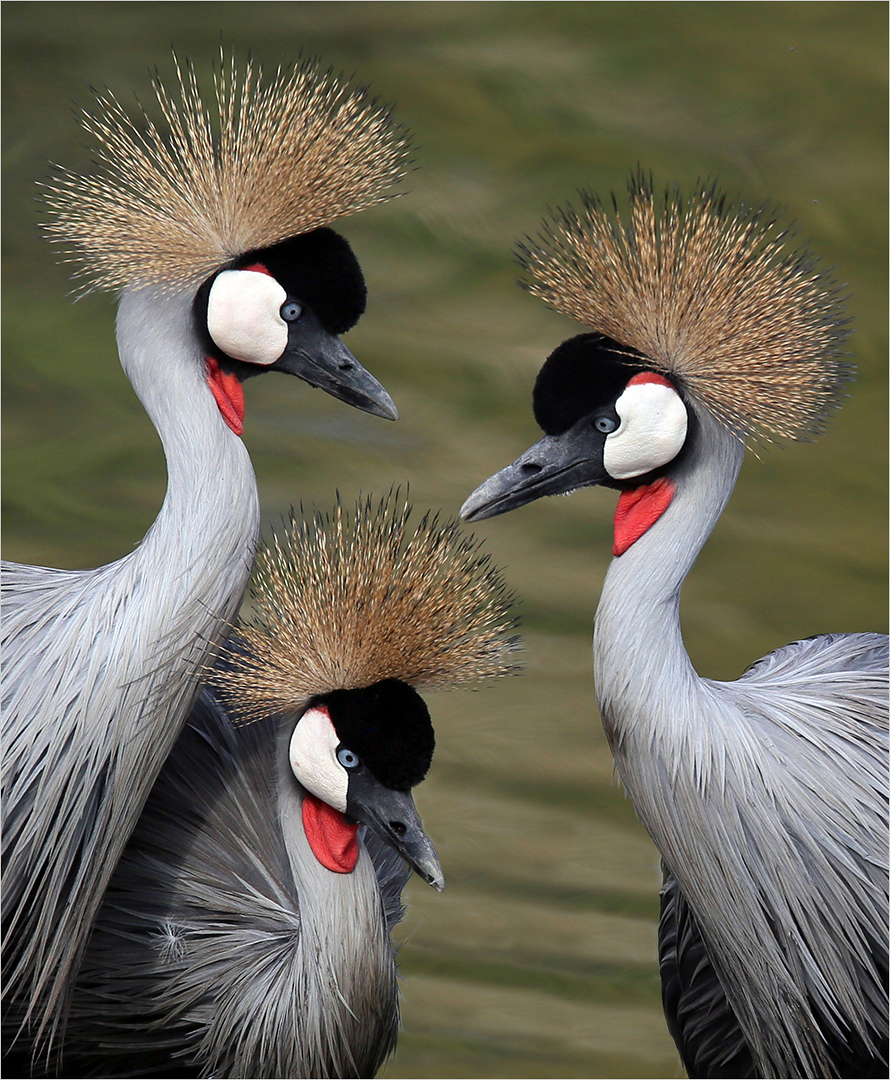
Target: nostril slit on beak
{"type": "Point", "coordinates": [346, 365]}
{"type": "Point", "coordinates": [398, 827]}
{"type": "Point", "coordinates": [530, 468]}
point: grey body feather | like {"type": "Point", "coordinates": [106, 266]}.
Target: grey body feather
{"type": "Point", "coordinates": [767, 798]}
{"type": "Point", "coordinates": [223, 948]}
{"type": "Point", "coordinates": [102, 666]}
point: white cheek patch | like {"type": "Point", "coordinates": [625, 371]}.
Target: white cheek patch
{"type": "Point", "coordinates": [313, 758]}
{"type": "Point", "coordinates": [652, 429]}
{"type": "Point", "coordinates": [244, 316]}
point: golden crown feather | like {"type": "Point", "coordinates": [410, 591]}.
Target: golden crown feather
{"type": "Point", "coordinates": [272, 158]}
{"type": "Point", "coordinates": [710, 293]}
{"type": "Point", "coordinates": [342, 601]}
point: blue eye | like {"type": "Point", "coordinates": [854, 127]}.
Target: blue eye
{"type": "Point", "coordinates": [348, 759]}
{"type": "Point", "coordinates": [291, 311]}
{"type": "Point", "coordinates": [605, 424]}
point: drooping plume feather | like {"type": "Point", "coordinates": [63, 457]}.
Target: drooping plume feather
{"type": "Point", "coordinates": [278, 157]}
{"type": "Point", "coordinates": [346, 601]}
{"type": "Point", "coordinates": [710, 294]}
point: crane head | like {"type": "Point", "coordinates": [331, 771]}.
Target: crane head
{"type": "Point", "coordinates": [281, 309]}
{"type": "Point", "coordinates": [608, 418]}
{"type": "Point", "coordinates": [357, 753]}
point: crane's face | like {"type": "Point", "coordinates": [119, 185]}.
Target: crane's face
{"type": "Point", "coordinates": [281, 309]}
{"type": "Point", "coordinates": [608, 418]}
{"type": "Point", "coordinates": [358, 753]}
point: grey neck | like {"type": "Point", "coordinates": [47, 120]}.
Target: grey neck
{"type": "Point", "coordinates": [348, 997]}
{"type": "Point", "coordinates": [640, 661]}
{"type": "Point", "coordinates": [209, 521]}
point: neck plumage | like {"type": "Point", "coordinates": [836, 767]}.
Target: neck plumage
{"type": "Point", "coordinates": [641, 666]}
{"type": "Point", "coordinates": [183, 585]}
{"type": "Point", "coordinates": [204, 537]}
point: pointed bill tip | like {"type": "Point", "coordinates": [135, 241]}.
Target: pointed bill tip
{"type": "Point", "coordinates": [325, 363]}
{"type": "Point", "coordinates": [381, 405]}
{"type": "Point", "coordinates": [429, 869]}
{"type": "Point", "coordinates": [468, 512]}
{"type": "Point", "coordinates": [352, 383]}
{"type": "Point", "coordinates": [488, 500]}
{"type": "Point", "coordinates": [421, 856]}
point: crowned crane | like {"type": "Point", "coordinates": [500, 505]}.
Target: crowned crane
{"type": "Point", "coordinates": [216, 234]}
{"type": "Point", "coordinates": [245, 931]}
{"type": "Point", "coordinates": [767, 796]}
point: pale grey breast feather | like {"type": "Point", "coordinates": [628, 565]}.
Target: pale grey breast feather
{"type": "Point", "coordinates": [60, 688]}
{"type": "Point", "coordinates": [824, 654]}
{"type": "Point", "coordinates": [50, 626]}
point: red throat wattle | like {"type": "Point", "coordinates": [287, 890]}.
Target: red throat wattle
{"type": "Point", "coordinates": [334, 842]}
{"type": "Point", "coordinates": [229, 394]}
{"type": "Point", "coordinates": [639, 509]}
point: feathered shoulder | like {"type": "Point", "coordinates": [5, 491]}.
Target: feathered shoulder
{"type": "Point", "coordinates": [345, 600]}
{"type": "Point", "coordinates": [710, 292]}
{"type": "Point", "coordinates": [268, 158]}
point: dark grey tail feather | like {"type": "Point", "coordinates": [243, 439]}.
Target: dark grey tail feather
{"type": "Point", "coordinates": [708, 1036]}
{"type": "Point", "coordinates": [699, 1017]}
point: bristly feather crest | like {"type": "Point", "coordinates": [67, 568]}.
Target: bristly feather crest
{"type": "Point", "coordinates": [346, 601]}
{"type": "Point", "coordinates": [278, 157]}
{"type": "Point", "coordinates": [709, 293]}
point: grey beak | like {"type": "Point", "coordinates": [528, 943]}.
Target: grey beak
{"type": "Point", "coordinates": [322, 360]}
{"type": "Point", "coordinates": [393, 816]}
{"type": "Point", "coordinates": [555, 465]}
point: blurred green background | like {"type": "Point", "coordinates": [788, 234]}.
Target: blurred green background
{"type": "Point", "coordinates": [539, 959]}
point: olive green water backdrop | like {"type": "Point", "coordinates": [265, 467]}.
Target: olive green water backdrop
{"type": "Point", "coordinates": [539, 959]}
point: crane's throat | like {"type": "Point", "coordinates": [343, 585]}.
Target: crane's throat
{"type": "Point", "coordinates": [229, 394]}
{"type": "Point", "coordinates": [333, 840]}
{"type": "Point", "coordinates": [639, 509]}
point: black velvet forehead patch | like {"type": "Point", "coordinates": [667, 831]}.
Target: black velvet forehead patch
{"type": "Point", "coordinates": [320, 269]}
{"type": "Point", "coordinates": [581, 375]}
{"type": "Point", "coordinates": [388, 725]}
